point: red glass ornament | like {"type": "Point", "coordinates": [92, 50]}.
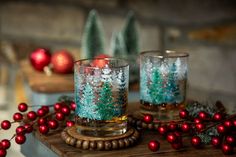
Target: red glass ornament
{"type": "Point", "coordinates": [41, 112]}
{"type": "Point", "coordinates": [230, 140]}
{"type": "Point", "coordinates": [28, 128]}
{"type": "Point", "coordinates": [22, 107]}
{"type": "Point", "coordinates": [177, 145]}
{"type": "Point", "coordinates": [228, 124]}
{"type": "Point", "coordinates": [60, 116]}
{"type": "Point", "coordinates": [45, 108]}
{"type": "Point", "coordinates": [42, 121]}
{"type": "Point", "coordinates": [65, 110]}
{"type": "Point", "coordinates": [100, 61]}
{"type": "Point", "coordinates": [62, 62]}
{"type": "Point", "coordinates": [52, 124]}
{"type": "Point", "coordinates": [3, 152]}
{"type": "Point", "coordinates": [17, 116]}
{"type": "Point", "coordinates": [199, 127]}
{"type": "Point", "coordinates": [183, 114]}
{"type": "Point", "coordinates": [221, 129]}
{"type": "Point", "coordinates": [20, 139]}
{"type": "Point", "coordinates": [6, 124]}
{"type": "Point", "coordinates": [5, 144]}
{"type": "Point", "coordinates": [20, 130]}
{"type": "Point", "coordinates": [234, 123]}
{"type": "Point", "coordinates": [172, 126]}
{"type": "Point", "coordinates": [43, 129]}
{"type": "Point", "coordinates": [73, 106]}
{"type": "Point", "coordinates": [70, 123]}
{"type": "Point", "coordinates": [147, 118]}
{"type": "Point", "coordinates": [196, 141]}
{"type": "Point", "coordinates": [227, 149]}
{"type": "Point", "coordinates": [185, 127]}
{"type": "Point", "coordinates": [31, 115]}
{"type": "Point", "coordinates": [216, 142]}
{"type": "Point", "coordinates": [154, 145]}
{"type": "Point", "coordinates": [40, 58]}
{"type": "Point", "coordinates": [203, 115]}
{"type": "Point", "coordinates": [217, 117]}
{"type": "Point", "coordinates": [57, 106]}
{"type": "Point", "coordinates": [171, 138]}
{"type": "Point", "coordinates": [197, 120]}
{"type": "Point", "coordinates": [162, 129]}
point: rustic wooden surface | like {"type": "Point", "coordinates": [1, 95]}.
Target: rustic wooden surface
{"type": "Point", "coordinates": [54, 142]}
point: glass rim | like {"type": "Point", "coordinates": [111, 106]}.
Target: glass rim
{"type": "Point", "coordinates": [166, 54]}
{"type": "Point", "coordinates": [126, 64]}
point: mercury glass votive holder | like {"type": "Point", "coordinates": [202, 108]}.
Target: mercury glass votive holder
{"type": "Point", "coordinates": [163, 78]}
{"type": "Point", "coordinates": [101, 96]}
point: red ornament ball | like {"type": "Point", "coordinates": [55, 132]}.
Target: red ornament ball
{"type": "Point", "coordinates": [185, 127]}
{"type": "Point", "coordinates": [197, 120]}
{"type": "Point", "coordinates": [177, 145]}
{"type": "Point", "coordinates": [196, 141]}
{"type": "Point", "coordinates": [154, 145]}
{"type": "Point", "coordinates": [162, 129]}
{"type": "Point", "coordinates": [20, 139]}
{"type": "Point", "coordinates": [43, 129]}
{"type": "Point", "coordinates": [28, 128]}
{"type": "Point", "coordinates": [41, 112]}
{"type": "Point", "coordinates": [20, 130]}
{"type": "Point", "coordinates": [65, 110]}
{"type": "Point", "coordinates": [62, 62]}
{"type": "Point", "coordinates": [3, 152]}
{"type": "Point", "coordinates": [199, 127]}
{"type": "Point", "coordinates": [234, 123]}
{"type": "Point", "coordinates": [100, 61]}
{"type": "Point", "coordinates": [227, 149]}
{"type": "Point", "coordinates": [183, 114]}
{"type": "Point", "coordinates": [172, 126]}
{"type": "Point", "coordinates": [5, 144]}
{"type": "Point", "coordinates": [230, 140]}
{"type": "Point", "coordinates": [40, 58]}
{"type": "Point", "coordinates": [217, 117]}
{"type": "Point", "coordinates": [70, 123]}
{"type": "Point", "coordinates": [221, 129]}
{"type": "Point", "coordinates": [57, 106]}
{"type": "Point", "coordinates": [45, 108]}
{"type": "Point", "coordinates": [228, 124]}
{"type": "Point", "coordinates": [73, 106]}
{"type": "Point", "coordinates": [22, 107]}
{"type": "Point", "coordinates": [52, 124]}
{"type": "Point", "coordinates": [60, 116]}
{"type": "Point", "coordinates": [42, 121]}
{"type": "Point", "coordinates": [6, 124]}
{"type": "Point", "coordinates": [216, 142]}
{"type": "Point", "coordinates": [171, 138]}
{"type": "Point", "coordinates": [203, 115]}
{"type": "Point", "coordinates": [17, 116]}
{"type": "Point", "coordinates": [147, 118]}
{"type": "Point", "coordinates": [31, 115]}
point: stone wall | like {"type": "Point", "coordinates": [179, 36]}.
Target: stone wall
{"type": "Point", "coordinates": [204, 28]}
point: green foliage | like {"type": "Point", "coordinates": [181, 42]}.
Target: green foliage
{"type": "Point", "coordinates": [118, 47]}
{"type": "Point", "coordinates": [130, 34]}
{"type": "Point", "coordinates": [93, 36]}
{"type": "Point", "coordinates": [195, 107]}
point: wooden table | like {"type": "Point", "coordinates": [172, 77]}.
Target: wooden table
{"type": "Point", "coordinates": [52, 145]}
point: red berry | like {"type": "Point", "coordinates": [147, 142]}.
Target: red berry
{"type": "Point", "coordinates": [3, 152]}
{"type": "Point", "coordinates": [17, 116]}
{"type": "Point", "coordinates": [60, 116]}
{"type": "Point", "coordinates": [43, 129]}
{"type": "Point", "coordinates": [171, 138]}
{"type": "Point", "coordinates": [196, 141]}
{"type": "Point", "coordinates": [234, 123]}
{"type": "Point", "coordinates": [65, 110]}
{"type": "Point", "coordinates": [216, 142]}
{"type": "Point", "coordinates": [197, 120]}
{"type": "Point", "coordinates": [227, 149]}
{"type": "Point", "coordinates": [70, 123]}
{"type": "Point", "coordinates": [28, 128]}
{"type": "Point", "coordinates": [217, 117]}
{"type": "Point", "coordinates": [185, 127]}
{"type": "Point", "coordinates": [183, 114]}
{"type": "Point", "coordinates": [42, 121]}
{"type": "Point", "coordinates": [31, 115]}
{"type": "Point", "coordinates": [230, 140]}
{"type": "Point", "coordinates": [154, 145]}
{"type": "Point", "coordinates": [203, 115]}
{"type": "Point", "coordinates": [177, 145]}
{"type": "Point", "coordinates": [20, 139]}
{"type": "Point", "coordinates": [73, 106]}
{"type": "Point", "coordinates": [172, 126]}
{"type": "Point", "coordinates": [162, 129]}
{"type": "Point", "coordinates": [228, 124]}
{"type": "Point", "coordinates": [22, 107]}
{"type": "Point", "coordinates": [6, 124]}
{"type": "Point", "coordinates": [41, 112]}
{"type": "Point", "coordinates": [221, 129]}
{"type": "Point", "coordinates": [147, 118]}
{"type": "Point", "coordinates": [57, 106]}
{"type": "Point", "coordinates": [5, 144]}
{"type": "Point", "coordinates": [45, 108]}
{"type": "Point", "coordinates": [20, 130]}
{"type": "Point", "coordinates": [199, 127]}
{"type": "Point", "coordinates": [52, 124]}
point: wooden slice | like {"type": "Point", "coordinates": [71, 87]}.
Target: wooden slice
{"type": "Point", "coordinates": [73, 138]}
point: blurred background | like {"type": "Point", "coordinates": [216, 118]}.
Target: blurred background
{"type": "Point", "coordinates": [206, 29]}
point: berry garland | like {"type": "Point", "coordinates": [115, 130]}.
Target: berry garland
{"type": "Point", "coordinates": [205, 124]}
{"type": "Point", "coordinates": [46, 118]}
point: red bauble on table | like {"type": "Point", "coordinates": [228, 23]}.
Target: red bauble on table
{"type": "Point", "coordinates": [162, 129]}
{"type": "Point", "coordinates": [65, 110]}
{"type": "Point", "coordinates": [60, 116]}
{"type": "Point", "coordinates": [20, 130]}
{"type": "Point", "coordinates": [228, 124]}
{"type": "Point", "coordinates": [221, 129]}
{"type": "Point", "coordinates": [42, 121]}
{"type": "Point", "coordinates": [17, 116]}
{"type": "Point", "coordinates": [6, 124]}
{"type": "Point", "coordinates": [147, 118]}
{"type": "Point", "coordinates": [28, 128]}
{"type": "Point", "coordinates": [217, 117]}
{"type": "Point", "coordinates": [73, 106]}
{"type": "Point", "coordinates": [31, 115]}
{"type": "Point", "coordinates": [197, 120]}
{"type": "Point", "coordinates": [196, 141]}
{"type": "Point", "coordinates": [46, 109]}
{"type": "Point", "coordinates": [154, 145]}
{"type": "Point", "coordinates": [40, 58]}
{"type": "Point", "coordinates": [230, 140]}
{"type": "Point", "coordinates": [203, 115]}
{"type": "Point", "coordinates": [171, 138]}
{"type": "Point", "coordinates": [43, 129]}
{"type": "Point", "coordinates": [199, 126]}
{"type": "Point", "coordinates": [57, 106]}
{"type": "Point", "coordinates": [216, 142]}
{"type": "Point", "coordinates": [62, 62]}
{"type": "Point", "coordinates": [227, 149]}
{"type": "Point", "coordinates": [70, 123]}
{"type": "Point", "coordinates": [20, 139]}
{"type": "Point", "coordinates": [22, 107]}
{"type": "Point", "coordinates": [41, 112]}
{"type": "Point", "coordinates": [5, 144]}
{"type": "Point", "coordinates": [183, 114]}
{"type": "Point", "coordinates": [3, 152]}
{"type": "Point", "coordinates": [172, 126]}
{"type": "Point", "coordinates": [185, 127]}
{"type": "Point", "coordinates": [52, 124]}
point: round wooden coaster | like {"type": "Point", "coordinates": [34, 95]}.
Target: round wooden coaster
{"type": "Point", "coordinates": [73, 138]}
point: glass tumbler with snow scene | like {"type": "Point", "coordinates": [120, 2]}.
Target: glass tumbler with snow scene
{"type": "Point", "coordinates": [101, 96]}
{"type": "Point", "coordinates": [163, 78]}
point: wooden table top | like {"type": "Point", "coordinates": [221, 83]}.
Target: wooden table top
{"type": "Point", "coordinates": [54, 142]}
